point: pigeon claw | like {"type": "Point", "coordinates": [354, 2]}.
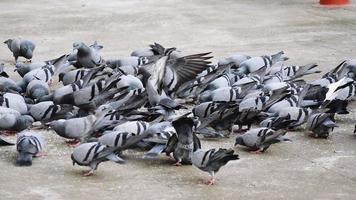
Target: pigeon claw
{"type": "Point", "coordinates": [210, 182]}
{"type": "Point", "coordinates": [177, 164]}
{"type": "Point", "coordinates": [88, 173]}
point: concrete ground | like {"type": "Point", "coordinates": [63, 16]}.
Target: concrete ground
{"type": "Point", "coordinates": [304, 169]}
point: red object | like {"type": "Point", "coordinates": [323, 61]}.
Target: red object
{"type": "Point", "coordinates": [334, 2]}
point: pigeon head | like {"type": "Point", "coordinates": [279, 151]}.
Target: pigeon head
{"type": "Point", "coordinates": [240, 141]}
{"type": "Point", "coordinates": [8, 42]}
{"type": "Point", "coordinates": [23, 122]}
{"type": "Point", "coordinates": [60, 77]}
{"type": "Point", "coordinates": [39, 92]}
{"type": "Point", "coordinates": [77, 45]}
{"type": "Point", "coordinates": [242, 70]}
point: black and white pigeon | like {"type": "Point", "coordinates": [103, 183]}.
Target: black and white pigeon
{"type": "Point", "coordinates": [320, 124]}
{"type": "Point", "coordinates": [338, 95]}
{"type": "Point", "coordinates": [259, 140]}
{"type": "Point", "coordinates": [212, 160]}
{"type": "Point", "coordinates": [171, 73]}
{"type": "Point", "coordinates": [21, 48]}
{"type": "Point", "coordinates": [184, 143]}
{"type": "Point", "coordinates": [28, 144]}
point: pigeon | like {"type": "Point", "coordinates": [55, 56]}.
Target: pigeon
{"type": "Point", "coordinates": [259, 140]}
{"type": "Point", "coordinates": [72, 76]}
{"type": "Point", "coordinates": [28, 144]}
{"type": "Point", "coordinates": [235, 59]}
{"type": "Point", "coordinates": [6, 83]}
{"type": "Point", "coordinates": [170, 74]}
{"type": "Point", "coordinates": [133, 127]}
{"type": "Point", "coordinates": [74, 128]}
{"type": "Point", "coordinates": [212, 160]}
{"type": "Point", "coordinates": [320, 124]}
{"type": "Point", "coordinates": [12, 120]}
{"type": "Point", "coordinates": [115, 138]}
{"type": "Point", "coordinates": [14, 101]}
{"type": "Point", "coordinates": [159, 136]}
{"type": "Point", "coordinates": [92, 154]}
{"type": "Point", "coordinates": [295, 115]}
{"type": "Point", "coordinates": [84, 95]}
{"type": "Point", "coordinates": [255, 63]}
{"type": "Point", "coordinates": [87, 57]}
{"type": "Point", "coordinates": [60, 94]}
{"type": "Point", "coordinates": [45, 110]}
{"type": "Point", "coordinates": [23, 68]}
{"type": "Point", "coordinates": [20, 47]}
{"type": "Point", "coordinates": [182, 144]}
{"type": "Point", "coordinates": [44, 74]}
{"type": "Point", "coordinates": [133, 61]}
{"type": "Point", "coordinates": [338, 95]}
{"type": "Point", "coordinates": [36, 89]}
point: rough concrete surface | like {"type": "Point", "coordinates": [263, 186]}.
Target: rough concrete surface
{"type": "Point", "coordinates": [304, 169]}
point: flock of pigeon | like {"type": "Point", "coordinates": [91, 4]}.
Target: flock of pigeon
{"type": "Point", "coordinates": [162, 101]}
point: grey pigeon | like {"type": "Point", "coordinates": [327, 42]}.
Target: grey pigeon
{"type": "Point", "coordinates": [87, 57]}
{"type": "Point", "coordinates": [321, 124]}
{"type": "Point", "coordinates": [12, 120]}
{"type": "Point", "coordinates": [72, 76]}
{"type": "Point", "coordinates": [6, 83]}
{"type": "Point", "coordinates": [212, 160]}
{"type": "Point", "coordinates": [115, 138]}
{"type": "Point", "coordinates": [92, 154]}
{"type": "Point", "coordinates": [133, 127]}
{"type": "Point", "coordinates": [44, 73]}
{"type": "Point", "coordinates": [75, 128]}
{"type": "Point", "coordinates": [260, 139]}
{"type": "Point", "coordinates": [182, 144]}
{"type": "Point", "coordinates": [14, 101]}
{"type": "Point", "coordinates": [235, 59]}
{"type": "Point", "coordinates": [28, 144]}
{"type": "Point", "coordinates": [45, 110]}
{"type": "Point", "coordinates": [37, 89]}
{"type": "Point", "coordinates": [23, 68]}
{"type": "Point", "coordinates": [255, 63]}
{"type": "Point", "coordinates": [159, 136]}
{"type": "Point", "coordinates": [20, 47]}
{"type": "Point", "coordinates": [60, 94]}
